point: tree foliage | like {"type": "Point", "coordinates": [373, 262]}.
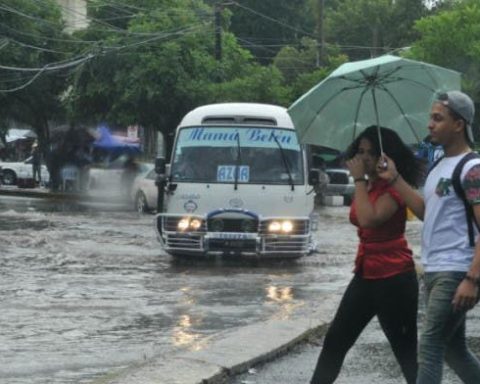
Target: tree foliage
{"type": "Point", "coordinates": [155, 84]}
{"type": "Point", "coordinates": [451, 39]}
{"type": "Point", "coordinates": [264, 27]}
{"type": "Point", "coordinates": [368, 28]}
{"type": "Point", "coordinates": [32, 45]}
{"type": "Point", "coordinates": [154, 60]}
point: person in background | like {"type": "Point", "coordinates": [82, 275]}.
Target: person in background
{"type": "Point", "coordinates": [130, 171]}
{"type": "Point", "coordinates": [450, 261]}
{"type": "Point", "coordinates": [36, 163]}
{"type": "Point", "coordinates": [429, 151]}
{"type": "Point", "coordinates": [385, 282]}
{"type": "Point", "coordinates": [83, 160]}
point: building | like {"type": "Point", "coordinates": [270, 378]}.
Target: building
{"type": "Point", "coordinates": [74, 13]}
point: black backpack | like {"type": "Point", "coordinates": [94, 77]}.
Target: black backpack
{"type": "Point", "coordinates": [457, 186]}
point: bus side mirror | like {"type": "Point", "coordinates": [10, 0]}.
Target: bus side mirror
{"type": "Point", "coordinates": [160, 166]}
{"type": "Point", "coordinates": [161, 180]}
{"type": "Point", "coordinates": [313, 177]}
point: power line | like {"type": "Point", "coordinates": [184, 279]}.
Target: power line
{"type": "Point", "coordinates": [50, 66]}
{"type": "Point", "coordinates": [180, 33]}
{"type": "Point", "coordinates": [115, 29]}
{"type": "Point", "coordinates": [272, 19]}
{"type": "Point", "coordinates": [249, 43]}
{"type": "Point", "coordinates": [34, 47]}
{"type": "Point", "coordinates": [34, 77]}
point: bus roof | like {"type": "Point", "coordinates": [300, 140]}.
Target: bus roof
{"type": "Point", "coordinates": [239, 113]}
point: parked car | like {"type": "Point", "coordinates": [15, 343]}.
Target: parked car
{"type": "Point", "coordinates": [331, 161]}
{"type": "Point", "coordinates": [341, 183]}
{"type": "Point", "coordinates": [12, 172]}
{"type": "Point", "coordinates": [144, 190]}
{"type": "Point", "coordinates": [109, 176]}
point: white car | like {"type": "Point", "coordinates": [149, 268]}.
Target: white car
{"type": "Point", "coordinates": [341, 183]}
{"type": "Point", "coordinates": [13, 171]}
{"type": "Point", "coordinates": [144, 191]}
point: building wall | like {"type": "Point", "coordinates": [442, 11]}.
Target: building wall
{"type": "Point", "coordinates": [74, 13]}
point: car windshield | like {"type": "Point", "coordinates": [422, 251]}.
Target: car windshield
{"type": "Point", "coordinates": [243, 154]}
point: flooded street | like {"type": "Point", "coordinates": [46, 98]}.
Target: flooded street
{"type": "Point", "coordinates": [86, 290]}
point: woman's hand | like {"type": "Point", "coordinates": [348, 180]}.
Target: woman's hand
{"type": "Point", "coordinates": [356, 167]}
{"type": "Point", "coordinates": [386, 168]}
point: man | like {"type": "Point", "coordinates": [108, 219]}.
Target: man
{"type": "Point", "coordinates": [451, 264]}
{"type": "Point", "coordinates": [36, 163]}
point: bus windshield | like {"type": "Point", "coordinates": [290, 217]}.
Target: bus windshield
{"type": "Point", "coordinates": [251, 155]}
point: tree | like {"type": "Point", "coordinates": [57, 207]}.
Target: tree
{"type": "Point", "coordinates": [295, 60]}
{"type": "Point", "coordinates": [163, 66]}
{"type": "Point", "coordinates": [264, 27]}
{"type": "Point", "coordinates": [368, 28]}
{"type": "Point", "coordinates": [307, 80]}
{"type": "Point", "coordinates": [451, 39]}
{"type": "Point", "coordinates": [34, 62]}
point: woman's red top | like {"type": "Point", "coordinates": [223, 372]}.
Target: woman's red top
{"type": "Point", "coordinates": [383, 251]}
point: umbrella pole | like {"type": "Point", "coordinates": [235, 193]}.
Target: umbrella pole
{"type": "Point", "coordinates": [378, 121]}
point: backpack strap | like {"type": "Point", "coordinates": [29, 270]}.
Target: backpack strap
{"type": "Point", "coordinates": [435, 163]}
{"type": "Point", "coordinates": [457, 186]}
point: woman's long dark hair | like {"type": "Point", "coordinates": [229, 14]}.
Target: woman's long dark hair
{"type": "Point", "coordinates": [411, 168]}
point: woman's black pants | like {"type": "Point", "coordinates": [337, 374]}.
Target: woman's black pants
{"type": "Point", "coordinates": [394, 300]}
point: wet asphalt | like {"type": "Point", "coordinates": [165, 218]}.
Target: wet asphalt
{"type": "Point", "coordinates": [86, 291]}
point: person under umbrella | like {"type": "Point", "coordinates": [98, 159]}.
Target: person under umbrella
{"type": "Point", "coordinates": [384, 282]}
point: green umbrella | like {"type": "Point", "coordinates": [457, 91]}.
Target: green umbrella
{"type": "Point", "coordinates": [385, 91]}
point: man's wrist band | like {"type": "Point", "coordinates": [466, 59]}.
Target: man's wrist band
{"type": "Point", "coordinates": [360, 179]}
{"type": "Point", "coordinates": [394, 179]}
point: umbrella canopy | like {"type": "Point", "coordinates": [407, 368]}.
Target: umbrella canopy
{"type": "Point", "coordinates": [385, 91]}
{"type": "Point", "coordinates": [109, 142]}
{"type": "Point", "coordinates": [15, 134]}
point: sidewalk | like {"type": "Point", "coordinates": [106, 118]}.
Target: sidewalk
{"type": "Point", "coordinates": [230, 353]}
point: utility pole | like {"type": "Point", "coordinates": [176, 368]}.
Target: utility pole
{"type": "Point", "coordinates": [218, 31]}
{"type": "Point", "coordinates": [320, 32]}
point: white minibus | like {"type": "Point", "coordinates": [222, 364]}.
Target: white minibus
{"type": "Point", "coordinates": [237, 185]}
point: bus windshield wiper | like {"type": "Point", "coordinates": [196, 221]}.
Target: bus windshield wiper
{"type": "Point", "coordinates": [285, 161]}
{"type": "Point", "coordinates": [238, 161]}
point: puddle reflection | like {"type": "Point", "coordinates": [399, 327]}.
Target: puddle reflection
{"type": "Point", "coordinates": [285, 299]}
{"type": "Point", "coordinates": [279, 294]}
{"type": "Point", "coordinates": [184, 336]}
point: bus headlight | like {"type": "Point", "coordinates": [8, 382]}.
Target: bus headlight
{"type": "Point", "coordinates": [183, 224]}
{"type": "Point", "coordinates": [187, 223]}
{"type": "Point", "coordinates": [274, 226]}
{"type": "Point", "coordinates": [195, 224]}
{"type": "Point", "coordinates": [285, 226]}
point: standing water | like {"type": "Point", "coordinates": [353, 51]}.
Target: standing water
{"type": "Point", "coordinates": [86, 290]}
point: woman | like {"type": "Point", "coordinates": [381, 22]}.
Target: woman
{"type": "Point", "coordinates": [385, 282]}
